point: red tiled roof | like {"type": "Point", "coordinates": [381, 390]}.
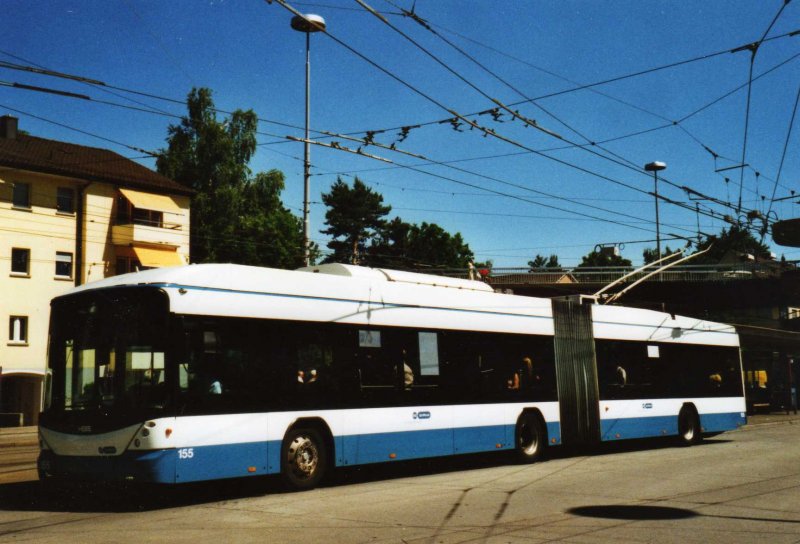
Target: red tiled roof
{"type": "Point", "coordinates": [90, 163]}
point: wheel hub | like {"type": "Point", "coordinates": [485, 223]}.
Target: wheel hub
{"type": "Point", "coordinates": [528, 440]}
{"type": "Point", "coordinates": [303, 456]}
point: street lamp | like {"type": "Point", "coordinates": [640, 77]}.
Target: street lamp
{"type": "Point", "coordinates": [307, 23]}
{"type": "Point", "coordinates": [655, 167]}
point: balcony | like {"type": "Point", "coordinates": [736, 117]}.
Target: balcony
{"type": "Point", "coordinates": [159, 234]}
{"type": "Point", "coordinates": [139, 220]}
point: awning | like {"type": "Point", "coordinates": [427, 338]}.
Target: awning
{"type": "Point", "coordinates": [149, 201]}
{"type": "Point", "coordinates": [157, 258]}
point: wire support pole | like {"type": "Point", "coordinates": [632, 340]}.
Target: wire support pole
{"type": "Point", "coordinates": [658, 222]}
{"type": "Point", "coordinates": [307, 160]}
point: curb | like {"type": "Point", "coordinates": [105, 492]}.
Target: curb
{"type": "Point", "coordinates": [790, 420]}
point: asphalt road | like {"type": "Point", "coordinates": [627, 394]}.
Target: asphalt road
{"type": "Point", "coordinates": [742, 486]}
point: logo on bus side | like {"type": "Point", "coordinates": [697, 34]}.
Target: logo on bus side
{"type": "Point", "coordinates": [421, 415]}
{"type": "Point", "coordinates": [647, 405]}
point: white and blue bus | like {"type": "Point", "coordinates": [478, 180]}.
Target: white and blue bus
{"type": "Point", "coordinates": [220, 371]}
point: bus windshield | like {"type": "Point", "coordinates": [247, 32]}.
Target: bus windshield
{"type": "Point", "coordinates": [108, 354]}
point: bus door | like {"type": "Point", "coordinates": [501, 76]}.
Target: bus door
{"type": "Point", "coordinates": [576, 371]}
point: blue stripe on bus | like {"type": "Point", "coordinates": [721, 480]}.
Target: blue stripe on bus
{"type": "Point", "coordinates": [554, 433]}
{"type": "Point", "coordinates": [222, 461]}
{"type": "Point", "coordinates": [638, 427]}
{"type": "Point", "coordinates": [714, 423]}
{"type": "Point", "coordinates": [259, 458]}
{"type": "Point", "coordinates": [646, 427]}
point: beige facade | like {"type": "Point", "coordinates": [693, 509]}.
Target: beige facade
{"type": "Point", "coordinates": [71, 231]}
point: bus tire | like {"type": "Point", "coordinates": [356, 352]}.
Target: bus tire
{"type": "Point", "coordinates": [304, 458]}
{"type": "Point", "coordinates": [530, 438]}
{"type": "Point", "coordinates": [689, 431]}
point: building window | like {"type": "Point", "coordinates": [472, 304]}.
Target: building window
{"type": "Point", "coordinates": [148, 217]}
{"type": "Point", "coordinates": [65, 200]}
{"type": "Point", "coordinates": [128, 214]}
{"type": "Point", "coordinates": [20, 261]}
{"type": "Point", "coordinates": [22, 195]}
{"type": "Point", "coordinates": [63, 264]}
{"type": "Point", "coordinates": [18, 329]}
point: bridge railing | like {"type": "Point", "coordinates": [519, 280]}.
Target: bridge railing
{"type": "Point", "coordinates": [607, 274]}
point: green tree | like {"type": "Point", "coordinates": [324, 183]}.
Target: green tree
{"type": "Point", "coordinates": [540, 261]}
{"type": "Point", "coordinates": [236, 217]}
{"type": "Point", "coordinates": [431, 245]}
{"type": "Point", "coordinates": [730, 244]}
{"type": "Point", "coordinates": [404, 245]}
{"type": "Point", "coordinates": [391, 247]}
{"type": "Point", "coordinates": [355, 217]}
{"type": "Point", "coordinates": [650, 254]}
{"type": "Point", "coordinates": [274, 238]}
{"type": "Point", "coordinates": [603, 258]}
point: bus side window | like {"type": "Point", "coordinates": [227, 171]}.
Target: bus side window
{"type": "Point", "coordinates": [460, 366]}
{"type": "Point", "coordinates": [314, 370]}
{"type": "Point", "coordinates": [613, 370]}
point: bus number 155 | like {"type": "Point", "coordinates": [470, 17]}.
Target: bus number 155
{"type": "Point", "coordinates": [185, 453]}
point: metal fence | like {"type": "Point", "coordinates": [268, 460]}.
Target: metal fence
{"type": "Point", "coordinates": [605, 275]}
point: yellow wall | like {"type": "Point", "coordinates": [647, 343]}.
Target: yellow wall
{"type": "Point", "coordinates": [98, 251]}
{"type": "Point", "coordinates": [44, 232]}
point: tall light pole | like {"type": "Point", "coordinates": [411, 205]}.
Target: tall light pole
{"type": "Point", "coordinates": [307, 23]}
{"type": "Point", "coordinates": [655, 167]}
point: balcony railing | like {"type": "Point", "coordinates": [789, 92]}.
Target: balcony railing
{"type": "Point", "coordinates": [166, 234]}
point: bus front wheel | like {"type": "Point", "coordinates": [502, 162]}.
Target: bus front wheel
{"type": "Point", "coordinates": [531, 438]}
{"type": "Point", "coordinates": [303, 459]}
{"type": "Point", "coordinates": [689, 431]}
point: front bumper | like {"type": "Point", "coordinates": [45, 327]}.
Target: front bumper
{"type": "Point", "coordinates": [139, 466]}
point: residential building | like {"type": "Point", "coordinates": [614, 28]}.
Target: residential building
{"type": "Point", "coordinates": [70, 214]}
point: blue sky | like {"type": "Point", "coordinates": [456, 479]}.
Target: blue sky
{"type": "Point", "coordinates": [562, 201]}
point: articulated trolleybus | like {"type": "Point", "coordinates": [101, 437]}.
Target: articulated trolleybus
{"type": "Point", "coordinates": [219, 371]}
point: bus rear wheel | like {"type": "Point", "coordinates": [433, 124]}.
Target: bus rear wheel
{"type": "Point", "coordinates": [689, 431]}
{"type": "Point", "coordinates": [531, 438]}
{"type": "Point", "coordinates": [304, 459]}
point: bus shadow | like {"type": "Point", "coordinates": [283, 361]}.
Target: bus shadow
{"type": "Point", "coordinates": [105, 498]}
{"type": "Point", "coordinates": [649, 512]}
{"type": "Point", "coordinates": [118, 498]}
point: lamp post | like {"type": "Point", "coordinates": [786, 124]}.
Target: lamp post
{"type": "Point", "coordinates": [655, 167]}
{"type": "Point", "coordinates": [307, 24]}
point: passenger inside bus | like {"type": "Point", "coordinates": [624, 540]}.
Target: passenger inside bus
{"type": "Point", "coordinates": [523, 377]}
{"type": "Point", "coordinates": [622, 375]}
{"type": "Point", "coordinates": [408, 376]}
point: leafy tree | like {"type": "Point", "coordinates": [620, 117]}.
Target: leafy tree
{"type": "Point", "coordinates": [355, 216]}
{"type": "Point", "coordinates": [540, 261]}
{"type": "Point", "coordinates": [355, 219]}
{"type": "Point", "coordinates": [236, 217]}
{"type": "Point", "coordinates": [603, 258]}
{"type": "Point", "coordinates": [430, 245]}
{"type": "Point", "coordinates": [729, 244]}
{"type": "Point", "coordinates": [391, 247]}
{"type": "Point", "coordinates": [269, 238]}
{"type": "Point", "coordinates": [650, 254]}
{"type": "Point", "coordinates": [405, 245]}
